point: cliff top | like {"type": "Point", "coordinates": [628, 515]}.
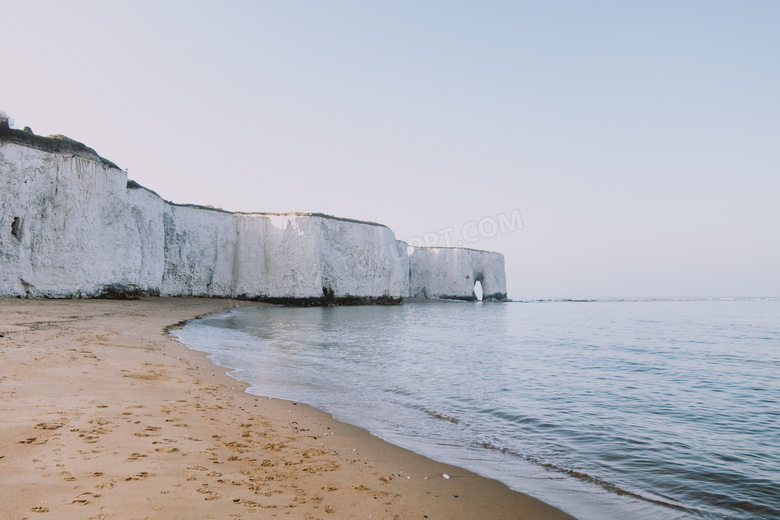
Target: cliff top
{"type": "Point", "coordinates": [133, 185]}
{"type": "Point", "coordinates": [320, 215]}
{"type": "Point", "coordinates": [53, 143]}
{"type": "Point", "coordinates": [430, 248]}
{"type": "Point", "coordinates": [289, 213]}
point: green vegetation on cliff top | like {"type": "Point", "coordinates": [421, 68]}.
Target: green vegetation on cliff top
{"type": "Point", "coordinates": [53, 143]}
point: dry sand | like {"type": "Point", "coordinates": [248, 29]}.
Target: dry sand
{"type": "Point", "coordinates": [103, 415]}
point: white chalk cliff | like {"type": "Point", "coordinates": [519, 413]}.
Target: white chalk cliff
{"type": "Point", "coordinates": [72, 226]}
{"type": "Point", "coordinates": [451, 273]}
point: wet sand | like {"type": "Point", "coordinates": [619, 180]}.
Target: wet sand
{"type": "Point", "coordinates": [104, 415]}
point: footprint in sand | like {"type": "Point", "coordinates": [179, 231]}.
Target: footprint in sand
{"type": "Point", "coordinates": [84, 498]}
{"type": "Point", "coordinates": [34, 440]}
{"type": "Point", "coordinates": [135, 457]}
{"type": "Point", "coordinates": [149, 432]}
{"type": "Point", "coordinates": [40, 509]}
{"type": "Point", "coordinates": [139, 476]}
{"type": "Point", "coordinates": [167, 449]}
{"type": "Point", "coordinates": [211, 495]}
{"type": "Point", "coordinates": [48, 426]}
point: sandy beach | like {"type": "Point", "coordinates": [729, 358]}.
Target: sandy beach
{"type": "Point", "coordinates": [104, 415]}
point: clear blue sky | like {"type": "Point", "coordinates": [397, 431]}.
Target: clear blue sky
{"type": "Point", "coordinates": [640, 141]}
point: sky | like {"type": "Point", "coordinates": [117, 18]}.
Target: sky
{"type": "Point", "coordinates": [605, 148]}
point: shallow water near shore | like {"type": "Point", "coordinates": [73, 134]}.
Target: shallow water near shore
{"type": "Point", "coordinates": [605, 409]}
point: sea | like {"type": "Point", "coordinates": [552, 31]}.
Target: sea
{"type": "Point", "coordinates": [607, 409]}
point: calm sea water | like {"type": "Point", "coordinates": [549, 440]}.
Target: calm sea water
{"type": "Point", "coordinates": [606, 409]}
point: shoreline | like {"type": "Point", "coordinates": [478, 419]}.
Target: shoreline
{"type": "Point", "coordinates": [150, 428]}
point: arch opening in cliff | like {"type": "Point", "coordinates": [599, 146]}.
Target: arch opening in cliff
{"type": "Point", "coordinates": [16, 228]}
{"type": "Point", "coordinates": [478, 292]}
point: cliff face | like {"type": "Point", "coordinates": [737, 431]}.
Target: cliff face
{"type": "Point", "coordinates": [72, 226]}
{"type": "Point", "coordinates": [279, 257]}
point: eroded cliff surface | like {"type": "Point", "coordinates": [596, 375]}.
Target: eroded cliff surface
{"type": "Point", "coordinates": [72, 226]}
